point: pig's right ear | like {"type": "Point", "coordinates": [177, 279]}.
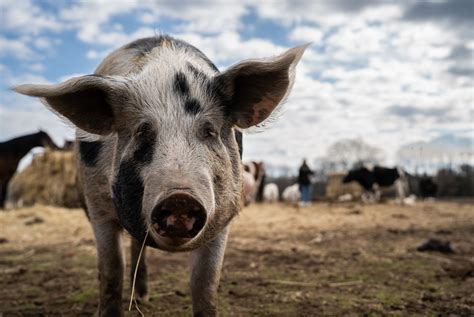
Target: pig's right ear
{"type": "Point", "coordinates": [87, 101]}
{"type": "Point", "coordinates": [255, 88]}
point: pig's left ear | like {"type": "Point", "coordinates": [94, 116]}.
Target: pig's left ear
{"type": "Point", "coordinates": [254, 88]}
{"type": "Point", "coordinates": [93, 103]}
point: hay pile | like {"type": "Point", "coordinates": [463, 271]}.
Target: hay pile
{"type": "Point", "coordinates": [336, 188]}
{"type": "Point", "coordinates": [50, 179]}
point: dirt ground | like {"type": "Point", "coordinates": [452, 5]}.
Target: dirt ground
{"type": "Point", "coordinates": [324, 260]}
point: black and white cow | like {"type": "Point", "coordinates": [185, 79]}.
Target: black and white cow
{"type": "Point", "coordinates": [379, 177]}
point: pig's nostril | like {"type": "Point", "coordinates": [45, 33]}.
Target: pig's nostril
{"type": "Point", "coordinates": [199, 219]}
{"type": "Point", "coordinates": [179, 216]}
{"type": "Point", "coordinates": [159, 220]}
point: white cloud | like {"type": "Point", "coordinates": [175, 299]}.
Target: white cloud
{"type": "Point", "coordinates": [11, 80]}
{"type": "Point", "coordinates": [92, 19]}
{"type": "Point", "coordinates": [327, 14]}
{"type": "Point", "coordinates": [148, 18]}
{"type": "Point", "coordinates": [306, 34]}
{"type": "Point", "coordinates": [92, 54]}
{"type": "Point", "coordinates": [15, 47]}
{"type": "Point", "coordinates": [89, 18]}
{"type": "Point", "coordinates": [366, 61]}
{"type": "Point", "coordinates": [210, 16]}
{"type": "Point", "coordinates": [369, 67]}
{"type": "Point", "coordinates": [228, 47]}
{"type": "Point", "coordinates": [43, 43]}
{"type": "Point", "coordinates": [36, 67]}
{"type": "Point", "coordinates": [224, 16]}
{"type": "Point", "coordinates": [357, 40]}
{"type": "Point", "coordinates": [21, 115]}
{"type": "Point", "coordinates": [24, 17]}
{"type": "Point", "coordinates": [69, 76]}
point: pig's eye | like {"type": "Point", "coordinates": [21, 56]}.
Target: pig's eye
{"type": "Point", "coordinates": [209, 132]}
{"type": "Point", "coordinates": [142, 130]}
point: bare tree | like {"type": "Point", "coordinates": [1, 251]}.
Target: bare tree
{"type": "Point", "coordinates": [348, 153]}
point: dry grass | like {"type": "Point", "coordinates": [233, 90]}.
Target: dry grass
{"type": "Point", "coordinates": [325, 260]}
{"type": "Point", "coordinates": [50, 179]}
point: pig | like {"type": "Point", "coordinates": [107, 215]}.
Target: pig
{"type": "Point", "coordinates": [157, 130]}
{"type": "Point", "coordinates": [270, 193]}
{"type": "Point", "coordinates": [291, 194]}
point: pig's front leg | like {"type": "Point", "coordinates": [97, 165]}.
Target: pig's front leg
{"type": "Point", "coordinates": [141, 285]}
{"type": "Point", "coordinates": [108, 237]}
{"type": "Point", "coordinates": [206, 265]}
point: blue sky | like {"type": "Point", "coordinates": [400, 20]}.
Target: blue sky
{"type": "Point", "coordinates": [390, 73]}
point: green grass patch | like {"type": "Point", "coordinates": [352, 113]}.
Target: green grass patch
{"type": "Point", "coordinates": [84, 295]}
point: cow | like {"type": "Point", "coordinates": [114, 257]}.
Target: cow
{"type": "Point", "coordinates": [12, 151]}
{"type": "Point", "coordinates": [270, 193]}
{"type": "Point", "coordinates": [157, 154]}
{"type": "Point", "coordinates": [292, 195]}
{"type": "Point", "coordinates": [427, 187]}
{"type": "Point", "coordinates": [379, 177]}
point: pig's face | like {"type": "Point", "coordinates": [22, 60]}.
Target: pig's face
{"type": "Point", "coordinates": [176, 168]}
{"type": "Point", "coordinates": [178, 174]}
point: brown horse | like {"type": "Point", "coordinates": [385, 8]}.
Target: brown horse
{"type": "Point", "coordinates": [12, 151]}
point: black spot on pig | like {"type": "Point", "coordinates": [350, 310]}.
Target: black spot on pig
{"type": "Point", "coordinates": [128, 194]}
{"type": "Point", "coordinates": [192, 106]}
{"type": "Point", "coordinates": [198, 74]}
{"type": "Point", "coordinates": [128, 190]}
{"type": "Point", "coordinates": [181, 85]}
{"type": "Point", "coordinates": [203, 80]}
{"type": "Point", "coordinates": [89, 152]}
{"type": "Point", "coordinates": [146, 144]}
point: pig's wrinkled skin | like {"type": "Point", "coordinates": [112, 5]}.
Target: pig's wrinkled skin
{"type": "Point", "coordinates": [156, 144]}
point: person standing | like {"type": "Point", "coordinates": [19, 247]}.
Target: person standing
{"type": "Point", "coordinates": [304, 182]}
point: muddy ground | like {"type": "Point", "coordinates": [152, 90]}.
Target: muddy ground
{"type": "Point", "coordinates": [323, 260]}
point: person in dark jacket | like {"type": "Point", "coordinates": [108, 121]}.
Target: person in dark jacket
{"type": "Point", "coordinates": [304, 182]}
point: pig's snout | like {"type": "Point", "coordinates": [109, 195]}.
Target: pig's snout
{"type": "Point", "coordinates": [179, 217]}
